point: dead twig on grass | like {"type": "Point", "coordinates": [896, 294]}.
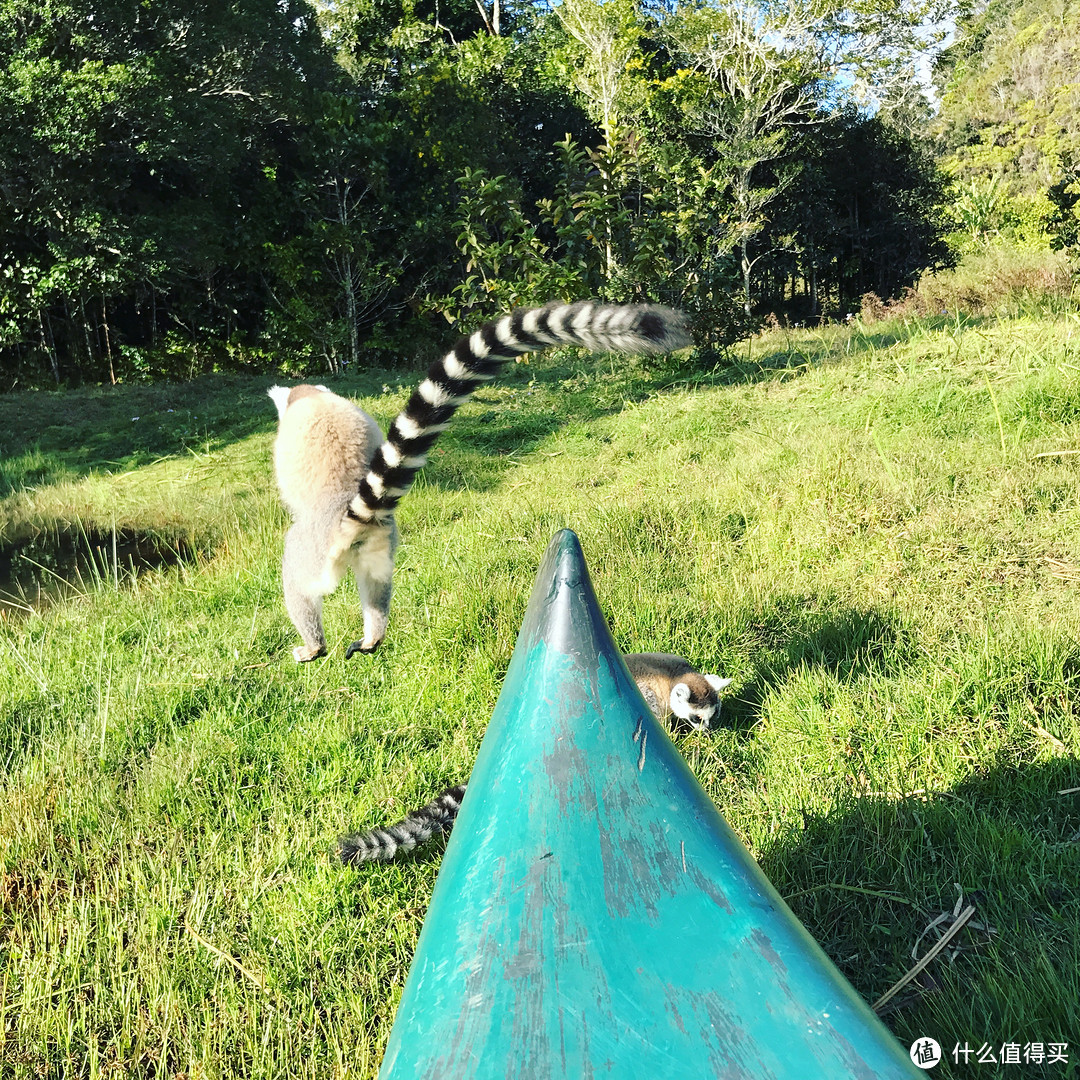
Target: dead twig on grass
{"type": "Point", "coordinates": [959, 917]}
{"type": "Point", "coordinates": [255, 980]}
{"type": "Point", "coordinates": [961, 921]}
{"type": "Point", "coordinates": [852, 888]}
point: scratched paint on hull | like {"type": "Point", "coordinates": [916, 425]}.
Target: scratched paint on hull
{"type": "Point", "coordinates": [594, 915]}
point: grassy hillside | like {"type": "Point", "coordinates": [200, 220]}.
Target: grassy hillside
{"type": "Point", "coordinates": [873, 531]}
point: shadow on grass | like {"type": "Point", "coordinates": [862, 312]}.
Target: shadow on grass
{"type": "Point", "coordinates": [48, 437]}
{"type": "Point", "coordinates": [805, 349]}
{"type": "Point", "coordinates": [1008, 840]}
{"type": "Point", "coordinates": [62, 562]}
{"type": "Point", "coordinates": [810, 632]}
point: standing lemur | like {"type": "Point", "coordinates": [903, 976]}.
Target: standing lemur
{"type": "Point", "coordinates": [341, 481]}
{"type": "Point", "coordinates": [670, 687]}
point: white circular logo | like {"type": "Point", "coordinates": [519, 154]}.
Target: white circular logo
{"type": "Point", "coordinates": [925, 1052]}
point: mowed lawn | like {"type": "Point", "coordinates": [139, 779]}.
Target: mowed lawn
{"type": "Point", "coordinates": [872, 530]}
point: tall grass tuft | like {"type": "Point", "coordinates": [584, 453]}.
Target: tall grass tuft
{"type": "Point", "coordinates": [995, 279]}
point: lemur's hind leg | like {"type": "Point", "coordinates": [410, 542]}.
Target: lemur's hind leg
{"type": "Point", "coordinates": [303, 598]}
{"type": "Point", "coordinates": [372, 561]}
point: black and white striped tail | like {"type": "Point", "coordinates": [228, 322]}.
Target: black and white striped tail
{"type": "Point", "coordinates": [418, 828]}
{"type": "Point", "coordinates": [477, 358]}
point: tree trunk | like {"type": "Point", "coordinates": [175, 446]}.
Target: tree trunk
{"type": "Point", "coordinates": [747, 265]}
{"type": "Point", "coordinates": [86, 331]}
{"type": "Point", "coordinates": [492, 24]}
{"type": "Point", "coordinates": [350, 314]}
{"type": "Point", "coordinates": [49, 346]}
{"type": "Point", "coordinates": [108, 342]}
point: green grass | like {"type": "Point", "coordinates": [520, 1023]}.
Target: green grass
{"type": "Point", "coordinates": [873, 530]}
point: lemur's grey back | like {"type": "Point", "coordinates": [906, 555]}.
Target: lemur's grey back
{"type": "Point", "coordinates": [477, 358]}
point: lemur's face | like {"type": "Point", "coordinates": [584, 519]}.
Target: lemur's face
{"type": "Point", "coordinates": [695, 700]}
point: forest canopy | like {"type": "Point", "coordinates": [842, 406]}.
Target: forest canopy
{"type": "Point", "coordinates": [276, 184]}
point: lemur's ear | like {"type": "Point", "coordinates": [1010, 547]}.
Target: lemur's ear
{"type": "Point", "coordinates": [717, 683]}
{"type": "Point", "coordinates": [280, 397]}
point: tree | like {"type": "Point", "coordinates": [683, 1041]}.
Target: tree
{"type": "Point", "coordinates": [606, 37]}
{"type": "Point", "coordinates": [747, 77]}
{"type": "Point", "coordinates": [336, 277]}
{"type": "Point", "coordinates": [144, 163]}
{"type": "Point", "coordinates": [865, 214]}
{"type": "Point", "coordinates": [184, 185]}
{"type": "Point", "coordinates": [1008, 128]}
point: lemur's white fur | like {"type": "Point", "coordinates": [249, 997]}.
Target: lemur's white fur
{"type": "Point", "coordinates": [680, 704]}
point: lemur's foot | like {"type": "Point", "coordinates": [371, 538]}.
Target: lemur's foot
{"type": "Point", "coordinates": [302, 653]}
{"type": "Point", "coordinates": [364, 646]}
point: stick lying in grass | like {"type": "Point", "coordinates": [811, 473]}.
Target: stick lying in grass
{"type": "Point", "coordinates": [961, 921]}
{"type": "Point", "coordinates": [960, 916]}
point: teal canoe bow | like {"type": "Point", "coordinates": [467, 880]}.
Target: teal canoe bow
{"type": "Point", "coordinates": [594, 915]}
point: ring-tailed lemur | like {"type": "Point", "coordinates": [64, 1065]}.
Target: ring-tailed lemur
{"type": "Point", "coordinates": [341, 481]}
{"type": "Point", "coordinates": [673, 687]}
{"type": "Point", "coordinates": [670, 687]}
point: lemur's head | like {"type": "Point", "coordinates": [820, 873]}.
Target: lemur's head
{"type": "Point", "coordinates": [695, 699]}
{"type": "Point", "coordinates": [284, 396]}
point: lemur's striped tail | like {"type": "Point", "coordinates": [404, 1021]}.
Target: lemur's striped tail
{"type": "Point", "coordinates": [477, 358]}
{"type": "Point", "coordinates": [418, 828]}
